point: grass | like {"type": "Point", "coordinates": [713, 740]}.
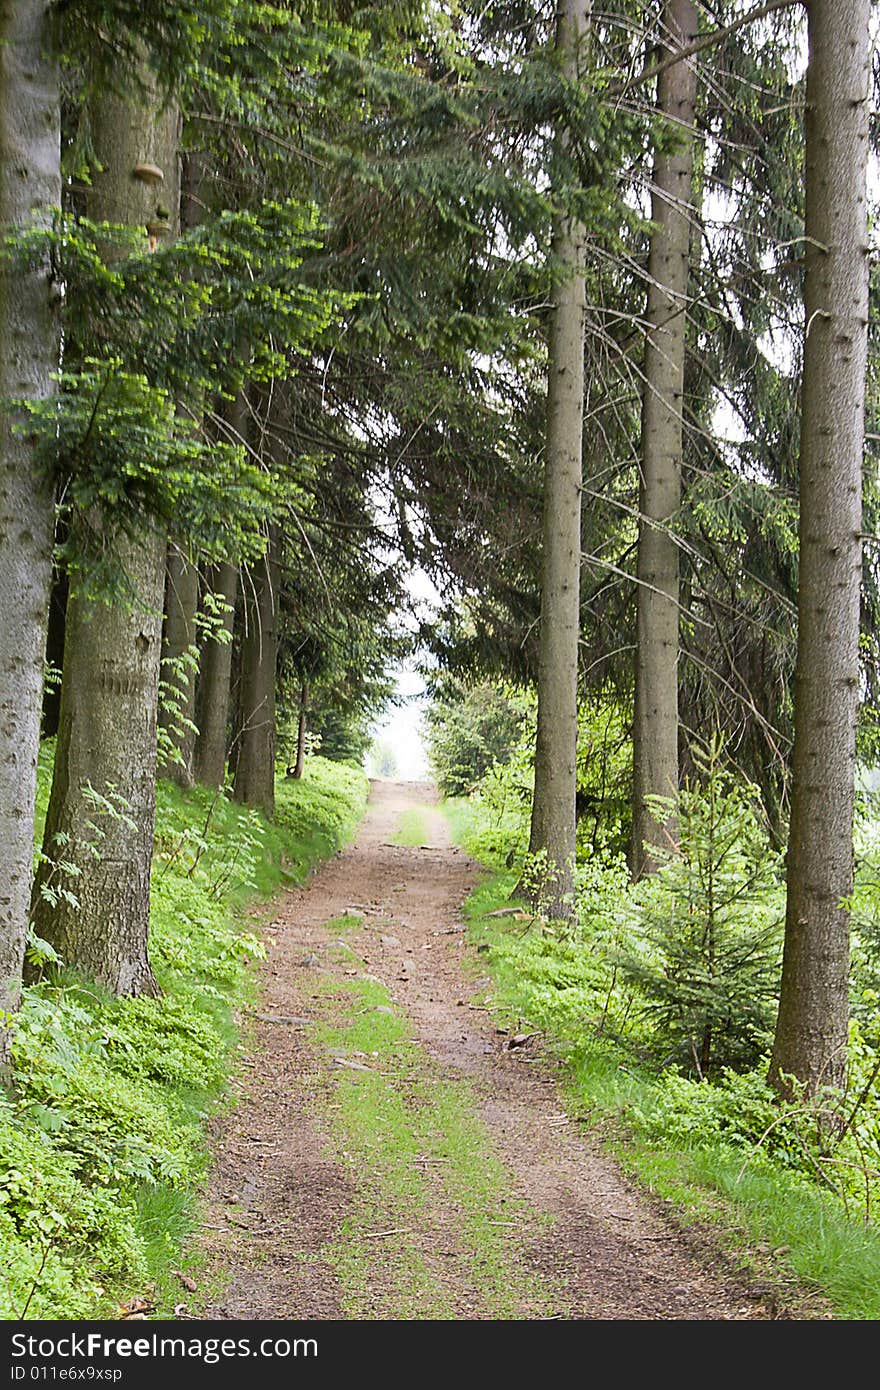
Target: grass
{"type": "Point", "coordinates": [413, 829]}
{"type": "Point", "coordinates": [103, 1148]}
{"type": "Point", "coordinates": [418, 1154]}
{"type": "Point", "coordinates": [774, 1219]}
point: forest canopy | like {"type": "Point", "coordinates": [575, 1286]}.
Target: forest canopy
{"type": "Point", "coordinates": [571, 312]}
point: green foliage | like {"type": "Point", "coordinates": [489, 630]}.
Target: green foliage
{"type": "Point", "coordinates": [498, 830]}
{"type": "Point", "coordinates": [624, 994]}
{"type": "Point", "coordinates": [684, 964]}
{"type": "Point", "coordinates": [604, 775]}
{"type": "Point", "coordinates": [103, 1144]}
{"type": "Point", "coordinates": [470, 729]}
{"type": "Point", "coordinates": [151, 337]}
{"type": "Point", "coordinates": [705, 935]}
{"type": "Point", "coordinates": [865, 907]}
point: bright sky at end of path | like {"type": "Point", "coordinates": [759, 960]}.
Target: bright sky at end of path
{"type": "Point", "coordinates": [400, 730]}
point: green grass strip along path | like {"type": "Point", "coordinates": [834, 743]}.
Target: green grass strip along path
{"type": "Point", "coordinates": [103, 1148]}
{"type": "Point", "coordinates": [775, 1220]}
{"type": "Point", "coordinates": [413, 829]}
{"type": "Point", "coordinates": [422, 1170]}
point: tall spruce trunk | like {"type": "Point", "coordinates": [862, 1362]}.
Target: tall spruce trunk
{"type": "Point", "coordinates": [811, 1031]}
{"type": "Point", "coordinates": [107, 732]}
{"type": "Point", "coordinates": [301, 726]}
{"type": "Point", "coordinates": [655, 716]}
{"type": "Point", "coordinates": [30, 188]}
{"type": "Point", "coordinates": [215, 672]}
{"type": "Point", "coordinates": [177, 716]}
{"type": "Point", "coordinates": [214, 687]}
{"type": "Point", "coordinates": [254, 781]}
{"type": "Point", "coordinates": [107, 741]}
{"type": "Point", "coordinates": [57, 619]}
{"type": "Point", "coordinates": [553, 822]}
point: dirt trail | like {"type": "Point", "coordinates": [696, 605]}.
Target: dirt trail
{"type": "Point", "coordinates": [317, 1209]}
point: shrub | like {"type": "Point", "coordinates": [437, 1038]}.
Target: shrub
{"type": "Point", "coordinates": [706, 930]}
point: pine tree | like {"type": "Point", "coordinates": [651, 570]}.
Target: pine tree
{"type": "Point", "coordinates": [811, 1031]}
{"type": "Point", "coordinates": [30, 192]}
{"type": "Point", "coordinates": [553, 806]}
{"type": "Point", "coordinates": [655, 720]}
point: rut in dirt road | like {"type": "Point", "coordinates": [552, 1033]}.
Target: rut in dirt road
{"type": "Point", "coordinates": [388, 1159]}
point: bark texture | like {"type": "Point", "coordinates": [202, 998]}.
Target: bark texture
{"type": "Point", "coordinates": [107, 734]}
{"type": "Point", "coordinates": [553, 805]}
{"type": "Point", "coordinates": [30, 187]}
{"type": "Point", "coordinates": [655, 715]}
{"type": "Point", "coordinates": [215, 672]}
{"type": "Point", "coordinates": [178, 713]}
{"type": "Point", "coordinates": [254, 782]}
{"type": "Point", "coordinates": [811, 1031]}
{"type": "Point", "coordinates": [107, 741]}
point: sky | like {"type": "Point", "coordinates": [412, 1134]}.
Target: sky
{"type": "Point", "coordinates": [400, 728]}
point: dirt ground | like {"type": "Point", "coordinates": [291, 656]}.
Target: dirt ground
{"type": "Point", "coordinates": [580, 1243]}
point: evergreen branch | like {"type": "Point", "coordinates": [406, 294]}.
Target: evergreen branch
{"type": "Point", "coordinates": [703, 42]}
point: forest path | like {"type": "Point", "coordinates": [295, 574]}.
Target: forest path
{"type": "Point", "coordinates": [387, 1158]}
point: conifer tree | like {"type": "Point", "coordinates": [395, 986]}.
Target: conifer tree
{"type": "Point", "coordinates": [553, 806]}
{"type": "Point", "coordinates": [655, 718]}
{"type": "Point", "coordinates": [30, 192]}
{"type": "Point", "coordinates": [811, 1030]}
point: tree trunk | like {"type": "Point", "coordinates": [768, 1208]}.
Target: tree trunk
{"type": "Point", "coordinates": [107, 736]}
{"type": "Point", "coordinates": [30, 188]}
{"type": "Point", "coordinates": [254, 783]}
{"type": "Point", "coordinates": [553, 804]}
{"type": "Point", "coordinates": [811, 1031]}
{"type": "Point", "coordinates": [55, 651]}
{"type": "Point", "coordinates": [178, 669]}
{"type": "Point", "coordinates": [107, 741]}
{"type": "Point", "coordinates": [301, 732]}
{"type": "Point", "coordinates": [215, 670]}
{"type": "Point", "coordinates": [655, 718]}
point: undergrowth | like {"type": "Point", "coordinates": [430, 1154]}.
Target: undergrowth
{"type": "Point", "coordinates": [620, 1003]}
{"type": "Point", "coordinates": [102, 1146]}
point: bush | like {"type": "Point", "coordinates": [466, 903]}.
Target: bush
{"type": "Point", "coordinates": [470, 729]}
{"type": "Point", "coordinates": [705, 937]}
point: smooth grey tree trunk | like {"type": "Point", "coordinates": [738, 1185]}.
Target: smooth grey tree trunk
{"type": "Point", "coordinates": [811, 1031]}
{"type": "Point", "coordinates": [254, 781]}
{"type": "Point", "coordinates": [215, 671]}
{"type": "Point", "coordinates": [107, 734]}
{"type": "Point", "coordinates": [655, 715]}
{"type": "Point", "coordinates": [553, 820]}
{"type": "Point", "coordinates": [177, 715]}
{"type": "Point", "coordinates": [30, 188]}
